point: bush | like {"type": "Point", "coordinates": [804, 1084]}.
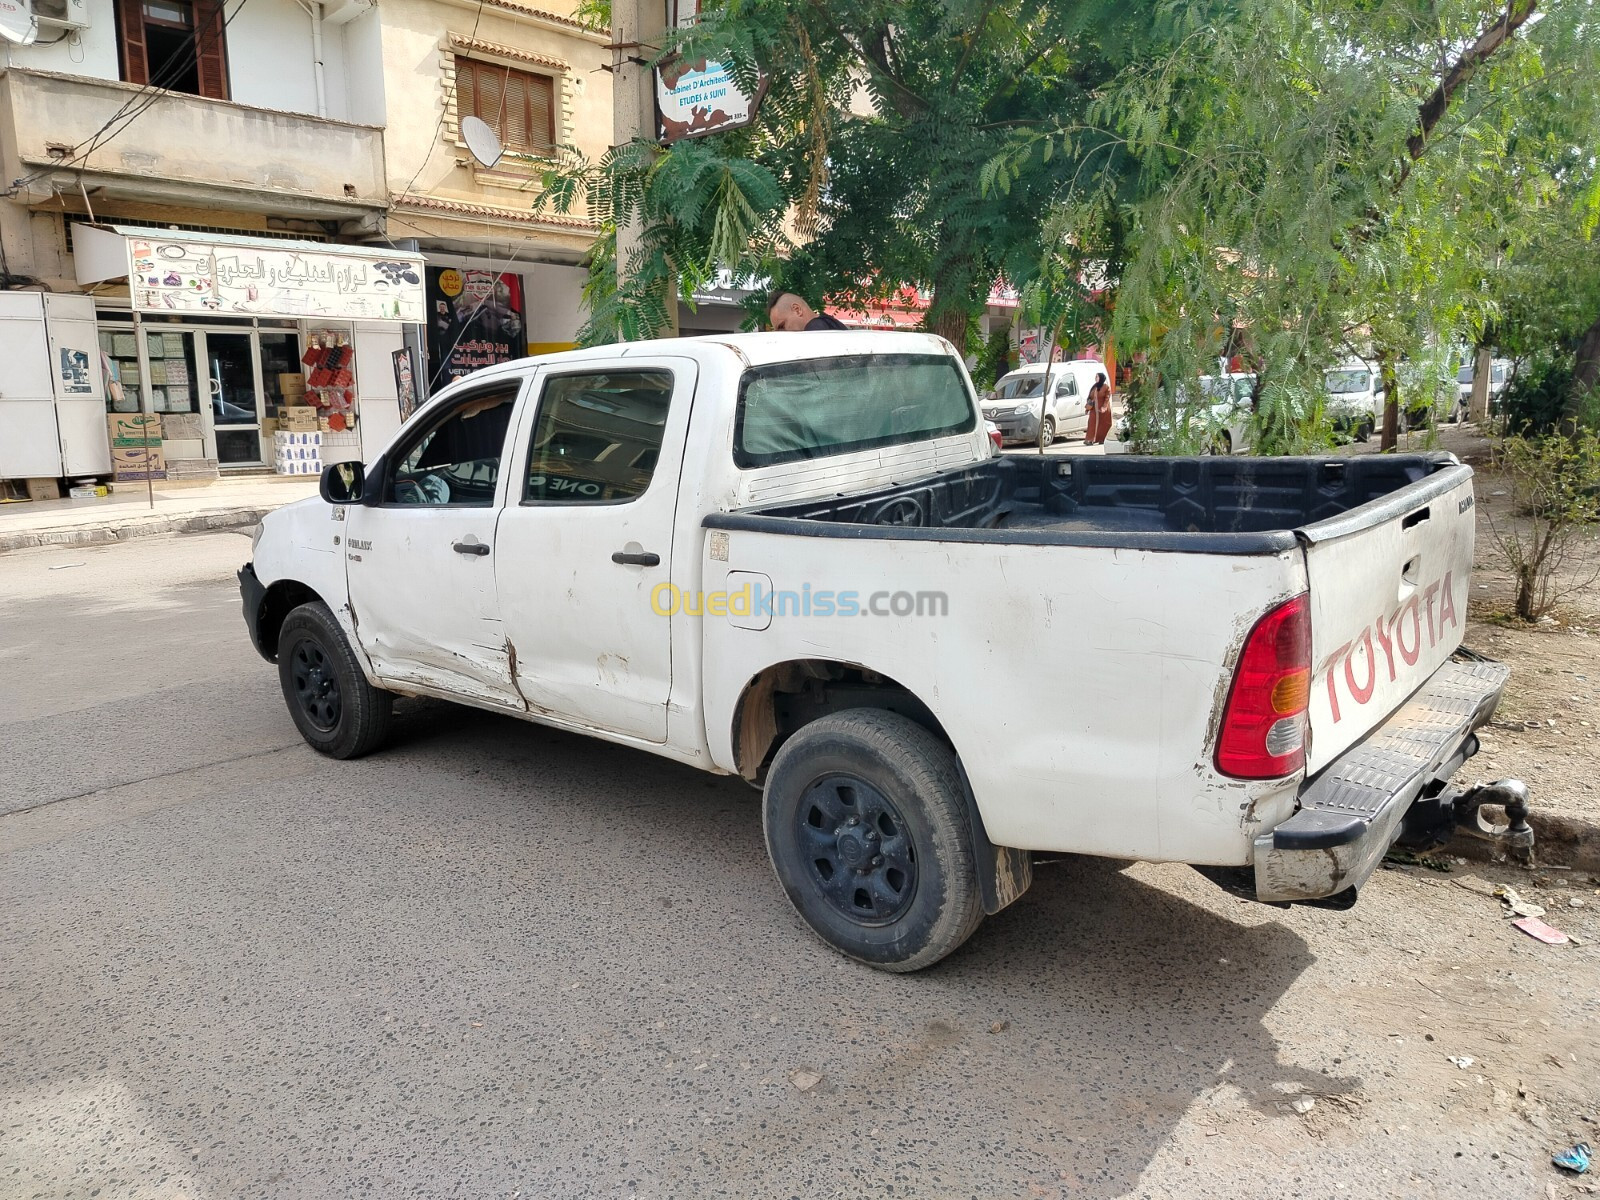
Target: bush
{"type": "Point", "coordinates": [1536, 401]}
{"type": "Point", "coordinates": [1555, 486]}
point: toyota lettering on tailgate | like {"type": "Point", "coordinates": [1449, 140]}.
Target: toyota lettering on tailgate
{"type": "Point", "coordinates": [1399, 635]}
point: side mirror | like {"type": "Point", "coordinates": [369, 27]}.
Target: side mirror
{"type": "Point", "coordinates": [343, 483]}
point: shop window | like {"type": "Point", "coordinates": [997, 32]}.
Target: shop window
{"type": "Point", "coordinates": [178, 45]}
{"type": "Point", "coordinates": [456, 460]}
{"type": "Point", "coordinates": [597, 437]}
{"type": "Point", "coordinates": [518, 105]}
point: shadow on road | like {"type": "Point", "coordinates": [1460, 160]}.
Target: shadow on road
{"type": "Point", "coordinates": [496, 957]}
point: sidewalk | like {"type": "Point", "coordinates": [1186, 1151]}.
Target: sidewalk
{"type": "Point", "coordinates": [126, 513]}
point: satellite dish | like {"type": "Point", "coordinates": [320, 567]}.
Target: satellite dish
{"type": "Point", "coordinates": [16, 22]}
{"type": "Point", "coordinates": [480, 139]}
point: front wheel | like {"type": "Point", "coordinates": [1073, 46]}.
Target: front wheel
{"type": "Point", "coordinates": [866, 825]}
{"type": "Point", "coordinates": [1049, 433]}
{"type": "Point", "coordinates": [336, 710]}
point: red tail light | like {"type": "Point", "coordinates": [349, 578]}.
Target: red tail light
{"type": "Point", "coordinates": [1264, 726]}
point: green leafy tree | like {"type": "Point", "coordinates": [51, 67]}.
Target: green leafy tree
{"type": "Point", "coordinates": [1318, 179]}
{"type": "Point", "coordinates": [865, 169]}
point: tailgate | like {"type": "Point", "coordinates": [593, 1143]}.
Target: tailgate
{"type": "Point", "coordinates": [1389, 586]}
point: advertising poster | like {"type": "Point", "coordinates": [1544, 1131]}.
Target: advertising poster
{"type": "Point", "coordinates": [405, 383]}
{"type": "Point", "coordinates": [475, 319]}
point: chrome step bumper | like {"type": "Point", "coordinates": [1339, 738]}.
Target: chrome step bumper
{"type": "Point", "coordinates": [1392, 787]}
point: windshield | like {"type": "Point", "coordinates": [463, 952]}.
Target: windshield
{"type": "Point", "coordinates": [820, 407]}
{"type": "Point", "coordinates": [1019, 386]}
{"type": "Point", "coordinates": [1343, 382]}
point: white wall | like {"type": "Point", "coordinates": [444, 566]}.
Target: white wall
{"type": "Point", "coordinates": [363, 74]}
{"type": "Point", "coordinates": [91, 51]}
{"type": "Point", "coordinates": [553, 297]}
{"type": "Point", "coordinates": [269, 58]}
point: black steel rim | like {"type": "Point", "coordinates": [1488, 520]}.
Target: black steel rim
{"type": "Point", "coordinates": [316, 685]}
{"type": "Point", "coordinates": [857, 849]}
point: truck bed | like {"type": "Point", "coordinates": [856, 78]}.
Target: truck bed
{"type": "Point", "coordinates": [1200, 505]}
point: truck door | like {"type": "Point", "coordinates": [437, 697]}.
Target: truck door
{"type": "Point", "coordinates": [585, 542]}
{"type": "Point", "coordinates": [420, 562]}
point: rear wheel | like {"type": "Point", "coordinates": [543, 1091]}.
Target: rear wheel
{"type": "Point", "coordinates": [336, 710]}
{"type": "Point", "coordinates": [866, 825]}
{"type": "Point", "coordinates": [1364, 430]}
{"type": "Point", "coordinates": [1222, 443]}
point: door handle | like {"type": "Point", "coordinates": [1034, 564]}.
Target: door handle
{"type": "Point", "coordinates": [478, 548]}
{"type": "Point", "coordinates": [636, 560]}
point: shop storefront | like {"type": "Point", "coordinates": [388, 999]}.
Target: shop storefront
{"type": "Point", "coordinates": [225, 339]}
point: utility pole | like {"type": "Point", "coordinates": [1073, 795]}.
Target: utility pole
{"type": "Point", "coordinates": [637, 29]}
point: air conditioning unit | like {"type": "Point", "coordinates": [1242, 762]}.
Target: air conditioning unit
{"type": "Point", "coordinates": [61, 14]}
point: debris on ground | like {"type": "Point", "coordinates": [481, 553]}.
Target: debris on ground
{"type": "Point", "coordinates": [1302, 1104]}
{"type": "Point", "coordinates": [1516, 906]}
{"type": "Point", "coordinates": [803, 1079]}
{"type": "Point", "coordinates": [1575, 1159]}
{"type": "Point", "coordinates": [1535, 928]}
{"type": "Point", "coordinates": [1476, 885]}
{"type": "Point", "coordinates": [1461, 1060]}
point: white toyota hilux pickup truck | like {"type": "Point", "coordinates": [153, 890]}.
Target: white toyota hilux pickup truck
{"type": "Point", "coordinates": [796, 558]}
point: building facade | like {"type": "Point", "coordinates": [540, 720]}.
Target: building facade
{"type": "Point", "coordinates": [213, 212]}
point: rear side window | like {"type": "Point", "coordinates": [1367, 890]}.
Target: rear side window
{"type": "Point", "coordinates": [802, 410]}
{"type": "Point", "coordinates": [598, 437]}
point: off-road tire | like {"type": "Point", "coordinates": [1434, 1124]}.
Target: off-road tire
{"type": "Point", "coordinates": [313, 650]}
{"type": "Point", "coordinates": [916, 775]}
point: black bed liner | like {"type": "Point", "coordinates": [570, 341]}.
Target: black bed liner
{"type": "Point", "coordinates": [1211, 505]}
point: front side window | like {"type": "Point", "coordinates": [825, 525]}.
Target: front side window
{"type": "Point", "coordinates": [1068, 386]}
{"type": "Point", "coordinates": [822, 407]}
{"type": "Point", "coordinates": [518, 105]}
{"type": "Point", "coordinates": [456, 460]}
{"type": "Point", "coordinates": [598, 437]}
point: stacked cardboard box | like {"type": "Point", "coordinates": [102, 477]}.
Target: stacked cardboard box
{"type": "Point", "coordinates": [138, 462]}
{"type": "Point", "coordinates": [136, 452]}
{"type": "Point", "coordinates": [134, 429]}
{"type": "Point", "coordinates": [297, 452]}
{"type": "Point", "coordinates": [298, 418]}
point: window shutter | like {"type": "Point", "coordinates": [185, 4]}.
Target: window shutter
{"type": "Point", "coordinates": [211, 50]}
{"type": "Point", "coordinates": [517, 105]}
{"type": "Point", "coordinates": [541, 113]}
{"type": "Point", "coordinates": [135, 59]}
{"type": "Point", "coordinates": [466, 88]}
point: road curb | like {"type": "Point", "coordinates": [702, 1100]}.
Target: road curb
{"type": "Point", "coordinates": [1566, 841]}
{"type": "Point", "coordinates": [101, 535]}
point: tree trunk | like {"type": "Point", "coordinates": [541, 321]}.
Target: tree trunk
{"type": "Point", "coordinates": [1391, 401]}
{"type": "Point", "coordinates": [1585, 371]}
{"type": "Point", "coordinates": [1482, 369]}
{"type": "Point", "coordinates": [950, 322]}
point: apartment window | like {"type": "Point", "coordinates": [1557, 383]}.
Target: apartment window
{"type": "Point", "coordinates": [178, 45]}
{"type": "Point", "coordinates": [518, 105]}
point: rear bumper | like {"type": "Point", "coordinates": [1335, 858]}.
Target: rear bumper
{"type": "Point", "coordinates": [1391, 784]}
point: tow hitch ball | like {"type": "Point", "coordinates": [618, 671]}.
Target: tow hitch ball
{"type": "Point", "coordinates": [1456, 812]}
{"type": "Point", "coordinates": [1515, 837]}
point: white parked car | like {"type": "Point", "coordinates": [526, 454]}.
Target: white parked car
{"type": "Point", "coordinates": [1499, 379]}
{"type": "Point", "coordinates": [1015, 404]}
{"type": "Point", "coordinates": [781, 557]}
{"type": "Point", "coordinates": [1355, 398]}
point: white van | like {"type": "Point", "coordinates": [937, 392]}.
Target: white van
{"type": "Point", "coordinates": [1015, 402]}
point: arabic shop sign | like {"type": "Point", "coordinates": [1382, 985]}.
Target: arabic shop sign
{"type": "Point", "coordinates": [259, 280]}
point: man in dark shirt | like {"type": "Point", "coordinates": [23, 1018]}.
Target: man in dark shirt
{"type": "Point", "coordinates": [787, 311]}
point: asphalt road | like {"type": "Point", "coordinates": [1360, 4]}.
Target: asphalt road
{"type": "Point", "coordinates": [498, 961]}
